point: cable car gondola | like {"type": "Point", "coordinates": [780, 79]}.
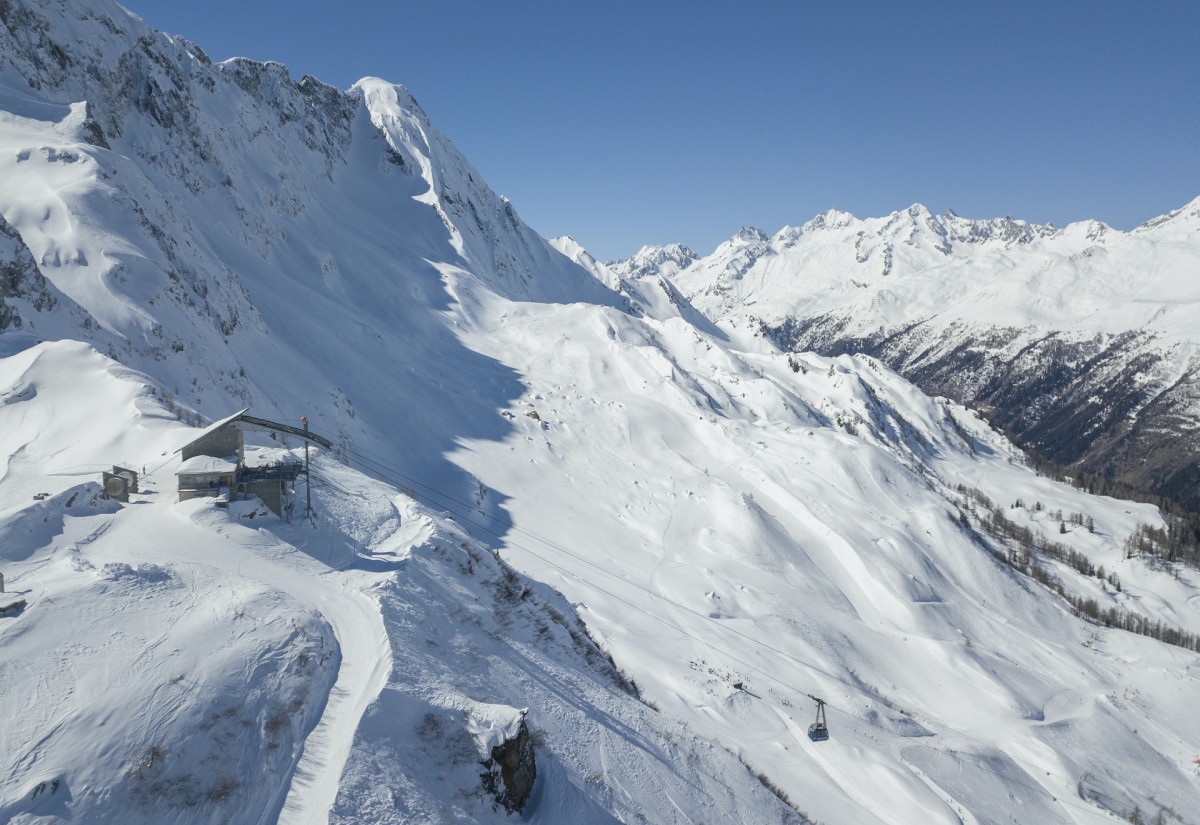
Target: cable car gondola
{"type": "Point", "coordinates": [818, 731]}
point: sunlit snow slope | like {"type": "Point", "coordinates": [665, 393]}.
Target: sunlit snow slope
{"type": "Point", "coordinates": [1081, 341]}
{"type": "Point", "coordinates": [737, 527]}
{"type": "Point", "coordinates": [176, 662]}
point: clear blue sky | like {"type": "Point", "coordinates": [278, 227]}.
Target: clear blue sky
{"type": "Point", "coordinates": [622, 123]}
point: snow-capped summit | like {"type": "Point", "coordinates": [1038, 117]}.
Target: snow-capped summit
{"type": "Point", "coordinates": [829, 219]}
{"type": "Point", "coordinates": [1181, 224]}
{"type": "Point", "coordinates": [193, 211]}
{"type": "Point", "coordinates": [665, 261]}
{"type": "Point", "coordinates": [749, 235]}
{"type": "Point", "coordinates": [976, 309]}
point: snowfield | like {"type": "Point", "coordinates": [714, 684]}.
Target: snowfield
{"type": "Point", "coordinates": [559, 495]}
{"type": "Point", "coordinates": [179, 662]}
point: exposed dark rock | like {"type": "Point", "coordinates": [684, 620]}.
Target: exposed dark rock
{"type": "Point", "coordinates": [20, 279]}
{"type": "Point", "coordinates": [510, 773]}
{"type": "Point", "coordinates": [1099, 405]}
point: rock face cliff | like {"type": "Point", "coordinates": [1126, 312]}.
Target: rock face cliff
{"type": "Point", "coordinates": [511, 769]}
{"type": "Point", "coordinates": [1080, 342]}
{"type": "Point", "coordinates": [24, 292]}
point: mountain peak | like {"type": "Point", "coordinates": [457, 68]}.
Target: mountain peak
{"type": "Point", "coordinates": [829, 219]}
{"type": "Point", "coordinates": [665, 260]}
{"type": "Point", "coordinates": [750, 234]}
{"type": "Point", "coordinates": [1185, 220]}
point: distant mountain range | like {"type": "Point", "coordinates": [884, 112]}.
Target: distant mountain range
{"type": "Point", "coordinates": [1080, 342]}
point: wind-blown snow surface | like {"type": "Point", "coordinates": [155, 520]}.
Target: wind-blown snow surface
{"type": "Point", "coordinates": [721, 519]}
{"type": "Point", "coordinates": [738, 530]}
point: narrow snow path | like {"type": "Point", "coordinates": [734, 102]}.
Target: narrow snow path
{"type": "Point", "coordinates": [340, 597]}
{"type": "Point", "coordinates": [366, 663]}
{"type": "Point", "coordinates": [952, 803]}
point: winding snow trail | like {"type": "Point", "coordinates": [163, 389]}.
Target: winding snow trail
{"type": "Point", "coordinates": [366, 663]}
{"type": "Point", "coordinates": [340, 597]}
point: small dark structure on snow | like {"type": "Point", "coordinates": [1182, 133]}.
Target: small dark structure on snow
{"type": "Point", "coordinates": [215, 464]}
{"type": "Point", "coordinates": [818, 731]}
{"type": "Point", "coordinates": [9, 607]}
{"type": "Point", "coordinates": [120, 483]}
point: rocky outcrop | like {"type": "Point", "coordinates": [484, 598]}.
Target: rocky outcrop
{"type": "Point", "coordinates": [511, 771]}
{"type": "Point", "coordinates": [20, 281]}
{"type": "Point", "coordinates": [1111, 406]}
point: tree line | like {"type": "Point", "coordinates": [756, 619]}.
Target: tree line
{"type": "Point", "coordinates": [1024, 550]}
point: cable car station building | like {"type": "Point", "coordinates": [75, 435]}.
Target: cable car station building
{"type": "Point", "coordinates": [217, 465]}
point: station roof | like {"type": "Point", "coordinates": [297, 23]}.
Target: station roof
{"type": "Point", "coordinates": [207, 465]}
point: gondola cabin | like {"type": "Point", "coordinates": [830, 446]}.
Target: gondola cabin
{"type": "Point", "coordinates": [818, 731]}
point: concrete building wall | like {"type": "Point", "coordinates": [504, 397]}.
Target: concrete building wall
{"type": "Point", "coordinates": [203, 485]}
{"type": "Point", "coordinates": [116, 487]}
{"type": "Point", "coordinates": [221, 442]}
{"type": "Point", "coordinates": [271, 493]}
{"type": "Point", "coordinates": [187, 495]}
{"type": "Point", "coordinates": [129, 475]}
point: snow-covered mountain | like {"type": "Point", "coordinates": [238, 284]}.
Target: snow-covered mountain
{"type": "Point", "coordinates": [1081, 341]}
{"type": "Point", "coordinates": [540, 462]}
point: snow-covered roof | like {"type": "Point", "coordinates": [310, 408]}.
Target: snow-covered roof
{"type": "Point", "coordinates": [267, 456]}
{"type": "Point", "coordinates": [207, 464]}
{"type": "Point", "coordinates": [215, 426]}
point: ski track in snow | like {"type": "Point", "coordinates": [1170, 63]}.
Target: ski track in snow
{"type": "Point", "coordinates": [366, 663]}
{"type": "Point", "coordinates": [353, 615]}
{"type": "Point", "coordinates": [964, 816]}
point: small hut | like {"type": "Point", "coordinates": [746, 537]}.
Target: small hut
{"type": "Point", "coordinates": [120, 483]}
